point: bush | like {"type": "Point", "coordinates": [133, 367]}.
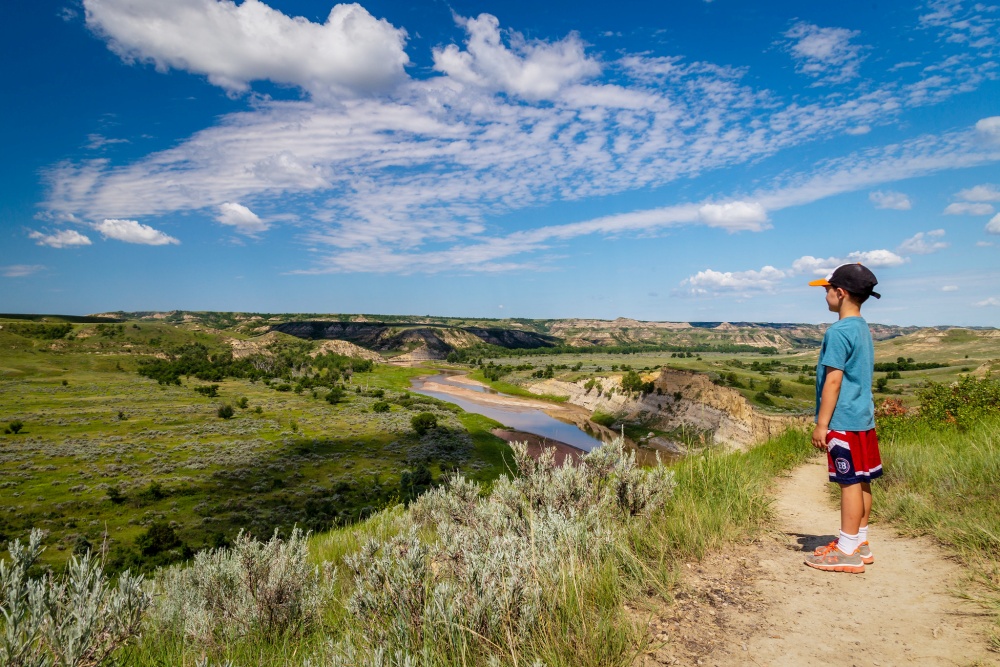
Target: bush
{"type": "Point", "coordinates": [763, 398]}
{"type": "Point", "coordinates": [242, 403]}
{"type": "Point", "coordinates": [253, 588]}
{"type": "Point", "coordinates": [380, 406]}
{"type": "Point", "coordinates": [211, 390]}
{"type": "Point", "coordinates": [424, 422]}
{"type": "Point", "coordinates": [495, 572]}
{"type": "Point", "coordinates": [76, 619]}
{"type": "Point", "coordinates": [335, 396]}
{"type": "Point", "coordinates": [960, 404]}
{"type": "Point", "coordinates": [226, 411]}
{"type": "Point", "coordinates": [15, 426]}
{"type": "Point", "coordinates": [603, 418]}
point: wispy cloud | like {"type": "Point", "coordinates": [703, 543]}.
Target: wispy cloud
{"type": "Point", "coordinates": [991, 302]}
{"type": "Point", "coordinates": [993, 226]}
{"type": "Point", "coordinates": [890, 200]}
{"type": "Point", "coordinates": [825, 54]}
{"type": "Point", "coordinates": [949, 288]}
{"type": "Point", "coordinates": [20, 270]}
{"type": "Point", "coordinates": [64, 238]}
{"type": "Point", "coordinates": [968, 208]}
{"type": "Point", "coordinates": [132, 231]}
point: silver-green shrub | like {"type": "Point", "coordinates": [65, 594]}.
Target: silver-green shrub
{"type": "Point", "coordinates": [486, 577]}
{"type": "Point", "coordinates": [254, 587]}
{"type": "Point", "coordinates": [76, 620]}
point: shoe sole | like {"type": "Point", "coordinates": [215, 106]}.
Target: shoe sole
{"type": "Point", "coordinates": [850, 569]}
{"type": "Point", "coordinates": [868, 560]}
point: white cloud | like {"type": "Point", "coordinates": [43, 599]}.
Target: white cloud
{"type": "Point", "coordinates": [735, 216]}
{"type": "Point", "coordinates": [949, 288]}
{"type": "Point", "coordinates": [980, 193]}
{"type": "Point", "coordinates": [891, 200]}
{"type": "Point", "coordinates": [65, 238]}
{"type": "Point", "coordinates": [710, 281]}
{"type": "Point", "coordinates": [875, 259]}
{"type": "Point", "coordinates": [991, 301]}
{"type": "Point", "coordinates": [816, 265]}
{"type": "Point", "coordinates": [825, 54]}
{"type": "Point", "coordinates": [985, 244]}
{"type": "Point", "coordinates": [924, 243]}
{"type": "Point", "coordinates": [993, 226]}
{"type": "Point", "coordinates": [20, 270]}
{"type": "Point", "coordinates": [242, 218]}
{"type": "Point", "coordinates": [967, 208]}
{"type": "Point", "coordinates": [97, 141]}
{"type": "Point", "coordinates": [533, 70]}
{"type": "Point", "coordinates": [235, 44]}
{"type": "Point", "coordinates": [989, 128]}
{"type": "Point", "coordinates": [131, 231]}
{"type": "Point", "coordinates": [859, 130]}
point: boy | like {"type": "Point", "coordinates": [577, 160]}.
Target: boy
{"type": "Point", "coordinates": [845, 416]}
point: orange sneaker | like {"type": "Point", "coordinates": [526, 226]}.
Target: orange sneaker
{"type": "Point", "coordinates": [832, 559]}
{"type": "Point", "coordinates": [867, 557]}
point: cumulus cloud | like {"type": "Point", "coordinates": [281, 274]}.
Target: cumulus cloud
{"type": "Point", "coordinates": [131, 231]}
{"type": "Point", "coordinates": [891, 200]}
{"type": "Point", "coordinates": [242, 218]}
{"type": "Point", "coordinates": [991, 301]}
{"type": "Point", "coordinates": [533, 70]}
{"type": "Point", "coordinates": [235, 44]}
{"type": "Point", "coordinates": [825, 54]}
{"type": "Point", "coordinates": [815, 265]}
{"type": "Point", "coordinates": [735, 216]}
{"type": "Point", "coordinates": [710, 281]}
{"type": "Point", "coordinates": [924, 243]}
{"type": "Point", "coordinates": [968, 208]}
{"type": "Point", "coordinates": [875, 259]}
{"type": "Point", "coordinates": [993, 226]}
{"type": "Point", "coordinates": [65, 238]}
{"type": "Point", "coordinates": [20, 270]}
{"type": "Point", "coordinates": [989, 128]}
{"type": "Point", "coordinates": [986, 192]}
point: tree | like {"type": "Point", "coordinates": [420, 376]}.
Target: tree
{"type": "Point", "coordinates": [881, 385]}
{"type": "Point", "coordinates": [424, 422]}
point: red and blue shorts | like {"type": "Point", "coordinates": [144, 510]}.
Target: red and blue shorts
{"type": "Point", "coordinates": [853, 456]}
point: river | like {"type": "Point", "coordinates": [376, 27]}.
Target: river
{"type": "Point", "coordinates": [511, 411]}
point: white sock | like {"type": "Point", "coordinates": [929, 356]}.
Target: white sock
{"type": "Point", "coordinates": [847, 543]}
{"type": "Point", "coordinates": [862, 534]}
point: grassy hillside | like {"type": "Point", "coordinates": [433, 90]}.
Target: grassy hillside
{"type": "Point", "coordinates": [102, 448]}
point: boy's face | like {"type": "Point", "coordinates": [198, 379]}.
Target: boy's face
{"type": "Point", "coordinates": [834, 297]}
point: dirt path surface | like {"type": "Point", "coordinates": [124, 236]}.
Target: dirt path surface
{"type": "Point", "coordinates": [759, 605]}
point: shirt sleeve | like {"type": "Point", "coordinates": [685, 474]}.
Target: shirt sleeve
{"type": "Point", "coordinates": [838, 348]}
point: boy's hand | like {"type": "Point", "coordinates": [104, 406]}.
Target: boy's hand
{"type": "Point", "coordinates": [819, 437]}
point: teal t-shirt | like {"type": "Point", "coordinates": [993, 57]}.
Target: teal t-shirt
{"type": "Point", "coordinates": [847, 346]}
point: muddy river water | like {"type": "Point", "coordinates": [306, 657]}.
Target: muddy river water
{"type": "Point", "coordinates": [511, 411]}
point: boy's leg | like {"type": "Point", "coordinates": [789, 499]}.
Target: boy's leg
{"type": "Point", "coordinates": [853, 507]}
{"type": "Point", "coordinates": [863, 547]}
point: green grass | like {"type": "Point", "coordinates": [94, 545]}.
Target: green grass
{"type": "Point", "coordinates": [945, 483]}
{"type": "Point", "coordinates": [300, 460]}
{"type": "Point", "coordinates": [514, 389]}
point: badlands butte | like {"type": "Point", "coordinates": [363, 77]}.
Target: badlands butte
{"type": "Point", "coordinates": [727, 383]}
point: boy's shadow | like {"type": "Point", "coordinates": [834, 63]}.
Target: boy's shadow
{"type": "Point", "coordinates": [812, 542]}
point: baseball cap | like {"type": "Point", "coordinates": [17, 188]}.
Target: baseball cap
{"type": "Point", "coordinates": [854, 278]}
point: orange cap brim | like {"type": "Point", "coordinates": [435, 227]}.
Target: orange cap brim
{"type": "Point", "coordinates": [822, 282]}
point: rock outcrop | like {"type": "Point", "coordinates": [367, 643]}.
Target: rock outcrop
{"type": "Point", "coordinates": [684, 399]}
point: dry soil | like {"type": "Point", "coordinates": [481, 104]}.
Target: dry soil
{"type": "Point", "coordinates": [758, 604]}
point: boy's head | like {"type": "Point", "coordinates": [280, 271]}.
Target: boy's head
{"type": "Point", "coordinates": [852, 281]}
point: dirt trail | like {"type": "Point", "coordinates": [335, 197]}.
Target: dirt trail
{"type": "Point", "coordinates": [759, 605]}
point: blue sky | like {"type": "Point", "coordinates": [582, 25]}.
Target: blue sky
{"type": "Point", "coordinates": [687, 160]}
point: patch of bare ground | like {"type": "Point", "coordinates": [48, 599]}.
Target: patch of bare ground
{"type": "Point", "coordinates": [758, 604]}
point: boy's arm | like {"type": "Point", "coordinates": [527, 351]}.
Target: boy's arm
{"type": "Point", "coordinates": [827, 403]}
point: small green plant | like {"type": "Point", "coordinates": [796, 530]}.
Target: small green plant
{"type": "Point", "coordinates": [225, 411]}
{"type": "Point", "coordinates": [258, 410]}
{"type": "Point", "coordinates": [115, 495]}
{"type": "Point", "coordinates": [242, 403]}
{"type": "Point", "coordinates": [423, 422]}
{"type": "Point", "coordinates": [380, 406]}
{"type": "Point", "coordinates": [15, 426]}
{"type": "Point", "coordinates": [335, 396]}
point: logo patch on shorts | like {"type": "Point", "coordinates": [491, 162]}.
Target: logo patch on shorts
{"type": "Point", "coordinates": [843, 466]}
